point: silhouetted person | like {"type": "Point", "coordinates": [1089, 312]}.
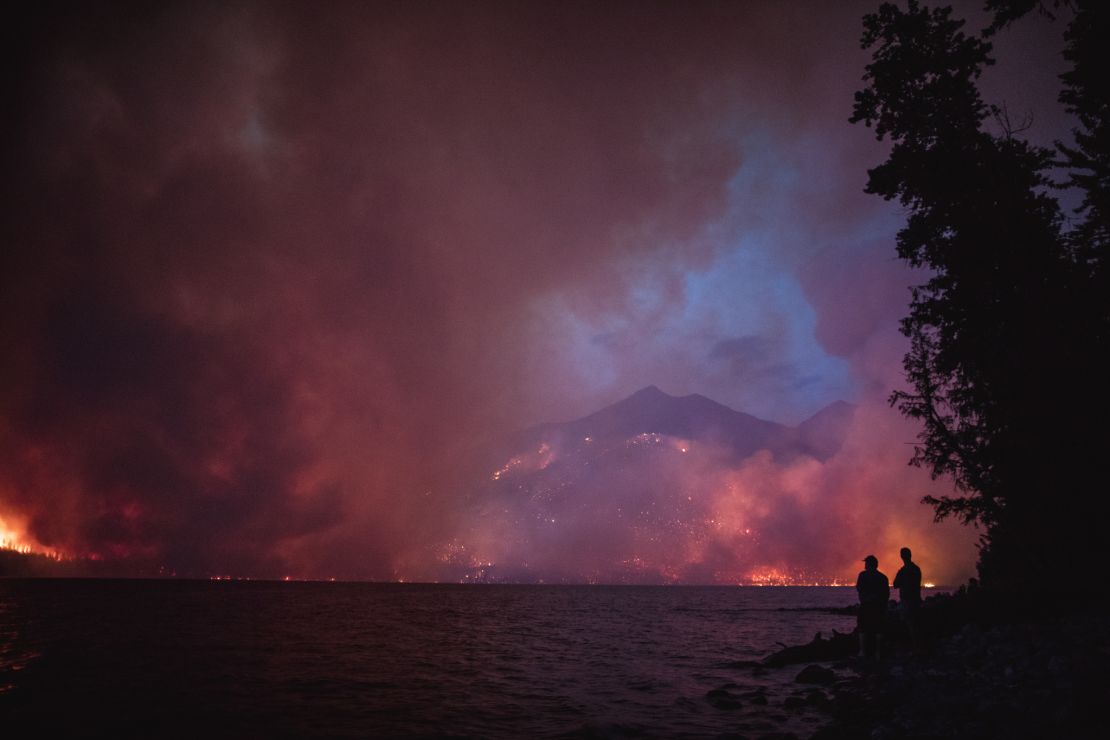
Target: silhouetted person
{"type": "Point", "coordinates": [873, 588]}
{"type": "Point", "coordinates": [908, 583]}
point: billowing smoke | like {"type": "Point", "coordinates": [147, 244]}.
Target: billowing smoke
{"type": "Point", "coordinates": [277, 275]}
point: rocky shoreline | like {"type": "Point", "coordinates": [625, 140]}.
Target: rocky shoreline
{"type": "Point", "coordinates": [985, 673]}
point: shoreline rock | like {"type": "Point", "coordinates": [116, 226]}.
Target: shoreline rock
{"type": "Point", "coordinates": [981, 675]}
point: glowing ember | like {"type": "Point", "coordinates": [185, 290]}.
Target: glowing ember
{"type": "Point", "coordinates": [497, 474]}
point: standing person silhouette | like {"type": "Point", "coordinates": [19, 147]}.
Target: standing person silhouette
{"type": "Point", "coordinates": [873, 588]}
{"type": "Point", "coordinates": [908, 583]}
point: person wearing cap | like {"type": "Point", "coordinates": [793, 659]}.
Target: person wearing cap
{"type": "Point", "coordinates": [873, 588]}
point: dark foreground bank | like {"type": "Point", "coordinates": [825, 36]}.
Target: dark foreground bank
{"type": "Point", "coordinates": [986, 673]}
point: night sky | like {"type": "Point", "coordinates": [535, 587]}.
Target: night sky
{"type": "Point", "coordinates": [277, 275]}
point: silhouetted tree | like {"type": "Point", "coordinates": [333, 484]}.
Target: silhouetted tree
{"type": "Point", "coordinates": [1005, 374]}
{"type": "Point", "coordinates": [1086, 95]}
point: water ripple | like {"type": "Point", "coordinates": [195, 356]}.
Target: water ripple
{"type": "Point", "coordinates": [228, 659]}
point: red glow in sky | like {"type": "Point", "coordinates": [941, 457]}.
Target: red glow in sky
{"type": "Point", "coordinates": [279, 277]}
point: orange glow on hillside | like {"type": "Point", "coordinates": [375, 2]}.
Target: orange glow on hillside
{"type": "Point", "coordinates": [528, 462]}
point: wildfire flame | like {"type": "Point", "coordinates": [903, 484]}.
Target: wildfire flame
{"type": "Point", "coordinates": [772, 576]}
{"type": "Point", "coordinates": [14, 538]}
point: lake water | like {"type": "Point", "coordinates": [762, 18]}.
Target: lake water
{"type": "Point", "coordinates": [147, 658]}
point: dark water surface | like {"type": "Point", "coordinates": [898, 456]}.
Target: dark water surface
{"type": "Point", "coordinates": [261, 659]}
